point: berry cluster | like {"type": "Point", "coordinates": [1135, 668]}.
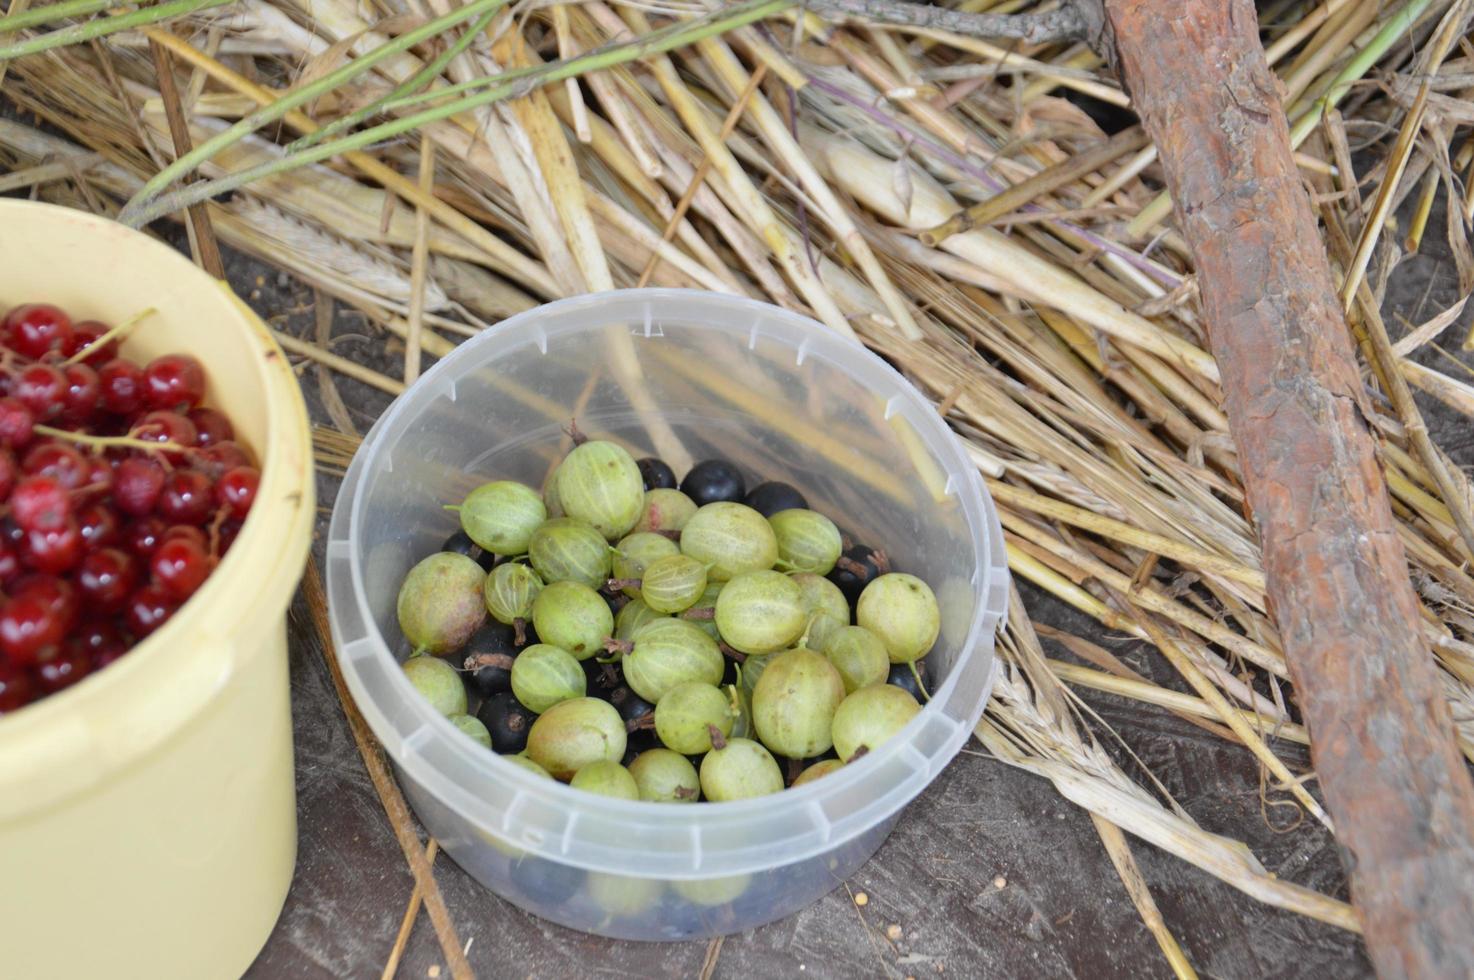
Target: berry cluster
{"type": "Point", "coordinates": [119, 492]}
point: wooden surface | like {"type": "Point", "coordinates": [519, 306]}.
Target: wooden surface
{"type": "Point", "coordinates": [1380, 730]}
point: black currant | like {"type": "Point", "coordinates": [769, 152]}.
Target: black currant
{"type": "Point", "coordinates": [507, 721]}
{"type": "Point", "coordinates": [771, 497]}
{"type": "Point", "coordinates": [546, 882]}
{"type": "Point", "coordinates": [902, 677]}
{"type": "Point", "coordinates": [631, 707]}
{"type": "Point", "coordinates": [487, 658]}
{"type": "Point", "coordinates": [712, 480]}
{"type": "Point", "coordinates": [656, 473]}
{"type": "Point", "coordinates": [460, 543]}
{"type": "Point", "coordinates": [857, 568]}
{"type": "Point", "coordinates": [642, 740]}
{"type": "Point", "coordinates": [603, 679]}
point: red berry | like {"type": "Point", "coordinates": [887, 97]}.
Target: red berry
{"type": "Point", "coordinates": [174, 380]}
{"type": "Point", "coordinates": [215, 460]}
{"type": "Point", "coordinates": [161, 426]}
{"type": "Point", "coordinates": [106, 579]}
{"type": "Point", "coordinates": [186, 498]}
{"type": "Point", "coordinates": [180, 566]}
{"type": "Point", "coordinates": [85, 335]}
{"type": "Point", "coordinates": [60, 462]}
{"type": "Point", "coordinates": [100, 526]}
{"type": "Point", "coordinates": [27, 628]}
{"type": "Point", "coordinates": [54, 550]}
{"type": "Point", "coordinates": [99, 476]}
{"type": "Point", "coordinates": [9, 565]}
{"type": "Point", "coordinates": [96, 635]}
{"type": "Point", "coordinates": [34, 329]}
{"type": "Point", "coordinates": [83, 394]}
{"type": "Point", "coordinates": [213, 427]}
{"type": "Point", "coordinates": [143, 536]}
{"type": "Point", "coordinates": [122, 386]}
{"type": "Point", "coordinates": [67, 666]}
{"type": "Point", "coordinates": [17, 689]}
{"type": "Point", "coordinates": [56, 594]}
{"type": "Point", "coordinates": [40, 502]}
{"type": "Point", "coordinates": [189, 531]}
{"type": "Point", "coordinates": [12, 533]}
{"type": "Point", "coordinates": [147, 609]}
{"type": "Point", "coordinates": [8, 473]}
{"type": "Point", "coordinates": [228, 533]}
{"type": "Point", "coordinates": [16, 422]}
{"type": "Point", "coordinates": [237, 490]}
{"type": "Point", "coordinates": [137, 485]}
{"type": "Point", "coordinates": [41, 388]}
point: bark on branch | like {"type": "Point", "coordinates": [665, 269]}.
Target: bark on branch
{"type": "Point", "coordinates": [1064, 23]}
{"type": "Point", "coordinates": [1381, 735]}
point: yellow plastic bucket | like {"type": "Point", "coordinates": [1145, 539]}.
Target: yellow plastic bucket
{"type": "Point", "coordinates": [147, 814]}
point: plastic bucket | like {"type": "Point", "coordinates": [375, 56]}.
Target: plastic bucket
{"type": "Point", "coordinates": [147, 814]}
{"type": "Point", "coordinates": [786, 399]}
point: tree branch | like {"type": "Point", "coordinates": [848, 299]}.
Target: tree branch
{"type": "Point", "coordinates": [1064, 23]}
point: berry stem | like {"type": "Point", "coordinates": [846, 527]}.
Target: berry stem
{"type": "Point", "coordinates": [108, 442]}
{"type": "Point", "coordinates": [736, 655]}
{"type": "Point", "coordinates": [519, 625]}
{"type": "Point", "coordinates": [920, 686]}
{"type": "Point", "coordinates": [620, 584]}
{"type": "Point", "coordinates": [849, 564]}
{"type": "Point", "coordinates": [478, 660]}
{"type": "Point", "coordinates": [114, 333]}
{"type": "Point", "coordinates": [620, 647]}
{"type": "Point", "coordinates": [702, 612]}
{"type": "Point", "coordinates": [571, 430]}
{"type": "Point", "coordinates": [646, 721]}
{"type": "Point", "coordinates": [718, 740]}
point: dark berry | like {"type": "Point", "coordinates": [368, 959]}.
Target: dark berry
{"type": "Point", "coordinates": [631, 707]}
{"type": "Point", "coordinates": [17, 689]}
{"type": "Point", "coordinates": [507, 721]}
{"type": "Point", "coordinates": [459, 543]}
{"type": "Point", "coordinates": [85, 336]}
{"type": "Point", "coordinates": [16, 423]}
{"type": "Point", "coordinates": [640, 740]}
{"type": "Point", "coordinates": [229, 531]}
{"type": "Point", "coordinates": [602, 679]}
{"type": "Point", "coordinates": [546, 882]}
{"type": "Point", "coordinates": [712, 480]}
{"type": "Point", "coordinates": [34, 329]}
{"type": "Point", "coordinates": [771, 497]}
{"type": "Point", "coordinates": [213, 427]}
{"type": "Point", "coordinates": [148, 609]}
{"type": "Point", "coordinates": [106, 578]}
{"type": "Point", "coordinates": [656, 473]}
{"type": "Point", "coordinates": [857, 568]}
{"type": "Point", "coordinates": [122, 386]}
{"type": "Point", "coordinates": [187, 498]}
{"type": "Point", "coordinates": [173, 380]}
{"type": "Point", "coordinates": [10, 566]}
{"type": "Point", "coordinates": [41, 388]}
{"type": "Point", "coordinates": [8, 473]}
{"type": "Point", "coordinates": [488, 657]}
{"type": "Point", "coordinates": [137, 486]}
{"type": "Point", "coordinates": [58, 461]}
{"type": "Point", "coordinates": [97, 636]}
{"type": "Point", "coordinates": [902, 677]}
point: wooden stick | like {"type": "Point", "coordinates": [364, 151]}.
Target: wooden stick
{"type": "Point", "coordinates": [1120, 854]}
{"type": "Point", "coordinates": [419, 263]}
{"type": "Point", "coordinates": [411, 912]}
{"type": "Point", "coordinates": [395, 807]}
{"type": "Point", "coordinates": [202, 236]}
{"type": "Point", "coordinates": [1381, 733]}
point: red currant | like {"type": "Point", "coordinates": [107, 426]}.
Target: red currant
{"type": "Point", "coordinates": [180, 566]}
{"type": "Point", "coordinates": [229, 531]}
{"type": "Point", "coordinates": [99, 476]}
{"type": "Point", "coordinates": [83, 394]}
{"type": "Point", "coordinates": [85, 336]}
{"type": "Point", "coordinates": [56, 594]}
{"type": "Point", "coordinates": [55, 550]}
{"type": "Point", "coordinates": [17, 689]}
{"type": "Point", "coordinates": [67, 666]}
{"type": "Point", "coordinates": [194, 534]}
{"type": "Point", "coordinates": [106, 579]}
{"type": "Point", "coordinates": [40, 502]}
{"type": "Point", "coordinates": [174, 380]}
{"type": "Point", "coordinates": [143, 536]}
{"type": "Point", "coordinates": [213, 427]}
{"type": "Point", "coordinates": [96, 635]}
{"type": "Point", "coordinates": [162, 426]}
{"type": "Point", "coordinates": [17, 423]}
{"type": "Point", "coordinates": [60, 462]}
{"type": "Point", "coordinates": [237, 490]}
{"type": "Point", "coordinates": [9, 565]}
{"type": "Point", "coordinates": [34, 329]}
{"type": "Point", "coordinates": [137, 485]}
{"type": "Point", "coordinates": [147, 609]}
{"type": "Point", "coordinates": [122, 386]}
{"type": "Point", "coordinates": [8, 473]}
{"type": "Point", "coordinates": [186, 498]}
{"type": "Point", "coordinates": [27, 628]}
{"type": "Point", "coordinates": [42, 389]}
{"type": "Point", "coordinates": [99, 525]}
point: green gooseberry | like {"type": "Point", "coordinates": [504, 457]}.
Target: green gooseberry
{"type": "Point", "coordinates": [635, 553]}
{"type": "Point", "coordinates": [665, 510]}
{"type": "Point", "coordinates": [438, 682]}
{"type": "Point", "coordinates": [544, 675]}
{"type": "Point", "coordinates": [673, 584]}
{"type": "Point", "coordinates": [703, 611]}
{"type": "Point", "coordinates": [859, 656]}
{"type": "Point", "coordinates": [435, 607]}
{"type": "Point", "coordinates": [825, 605]}
{"type": "Point", "coordinates": [600, 483]}
{"type": "Point", "coordinates": [902, 611]}
{"type": "Point", "coordinates": [752, 671]}
{"type": "Point", "coordinates": [622, 896]}
{"type": "Point", "coordinates": [794, 701]}
{"type": "Point", "coordinates": [571, 734]}
{"type": "Point", "coordinates": [713, 891]}
{"type": "Point", "coordinates": [688, 713]}
{"type": "Point", "coordinates": [510, 591]}
{"type": "Point", "coordinates": [817, 771]}
{"type": "Point", "coordinates": [631, 617]}
{"type": "Point", "coordinates": [760, 612]}
{"type": "Point", "coordinates": [668, 652]}
{"type": "Point", "coordinates": [572, 616]}
{"type": "Point", "coordinates": [550, 496]}
{"type": "Point", "coordinates": [606, 779]}
{"type": "Point", "coordinates": [869, 717]}
{"type": "Point", "coordinates": [807, 540]}
{"type": "Point", "coordinates": [664, 776]}
{"type": "Point", "coordinates": [521, 760]}
{"type": "Point", "coordinates": [739, 769]}
{"type": "Point", "coordinates": [568, 550]}
{"type": "Point", "coordinates": [731, 538]}
{"type": "Point", "coordinates": [501, 516]}
{"type": "Point", "coordinates": [472, 727]}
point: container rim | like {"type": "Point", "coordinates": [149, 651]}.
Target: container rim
{"type": "Point", "coordinates": [197, 647]}
{"type": "Point", "coordinates": [411, 746]}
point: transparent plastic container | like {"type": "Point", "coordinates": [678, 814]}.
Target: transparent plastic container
{"type": "Point", "coordinates": [686, 375]}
